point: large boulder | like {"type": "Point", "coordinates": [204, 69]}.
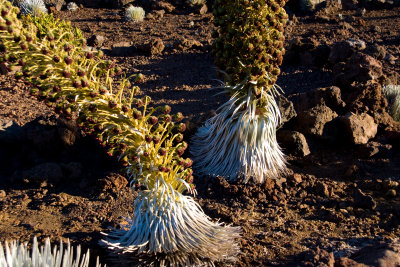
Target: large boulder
{"type": "Point", "coordinates": [312, 121]}
{"type": "Point", "coordinates": [359, 127]}
{"type": "Point", "coordinates": [359, 68]}
{"type": "Point", "coordinates": [294, 142]}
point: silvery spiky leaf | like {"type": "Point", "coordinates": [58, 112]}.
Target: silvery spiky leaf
{"type": "Point", "coordinates": [17, 255]}
{"type": "Point", "coordinates": [33, 7]}
{"type": "Point", "coordinates": [171, 227]}
{"type": "Point", "coordinates": [135, 14]}
{"type": "Point", "coordinates": [392, 94]}
{"type": "Point", "coordinates": [239, 143]}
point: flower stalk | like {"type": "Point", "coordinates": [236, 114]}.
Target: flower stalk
{"type": "Point", "coordinates": [240, 143]}
{"type": "Point", "coordinates": [50, 56]}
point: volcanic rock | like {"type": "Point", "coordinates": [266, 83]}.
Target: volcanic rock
{"type": "Point", "coordinates": [158, 5]}
{"type": "Point", "coordinates": [382, 254]}
{"type": "Point", "coordinates": [96, 40]}
{"type": "Point", "coordinates": [57, 4]}
{"type": "Point", "coordinates": [330, 96]}
{"type": "Point", "coordinates": [347, 262]}
{"type": "Point", "coordinates": [293, 141]}
{"type": "Point", "coordinates": [312, 121]}
{"type": "Point", "coordinates": [360, 127]}
{"type": "Point", "coordinates": [286, 108]}
{"type": "Point", "coordinates": [360, 68]}
{"type": "Point", "coordinates": [363, 200]}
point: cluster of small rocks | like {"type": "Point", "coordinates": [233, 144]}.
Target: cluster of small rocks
{"type": "Point", "coordinates": [352, 111]}
{"type": "Point", "coordinates": [332, 6]}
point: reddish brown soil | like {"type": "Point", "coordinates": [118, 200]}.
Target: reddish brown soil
{"type": "Point", "coordinates": [280, 219]}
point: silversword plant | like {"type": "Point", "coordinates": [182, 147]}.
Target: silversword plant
{"type": "Point", "coordinates": [33, 7]}
{"type": "Point", "coordinates": [18, 255]}
{"type": "Point", "coordinates": [392, 94]}
{"type": "Point", "coordinates": [240, 143]}
{"type": "Point", "coordinates": [135, 14]}
{"type": "Point", "coordinates": [50, 56]}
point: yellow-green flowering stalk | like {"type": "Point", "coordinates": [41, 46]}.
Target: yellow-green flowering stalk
{"type": "Point", "coordinates": [239, 143]}
{"type": "Point", "coordinates": [50, 56]}
{"type": "Point", "coordinates": [18, 255]}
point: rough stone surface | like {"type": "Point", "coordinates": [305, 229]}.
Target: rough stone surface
{"type": "Point", "coordinates": [359, 127]}
{"type": "Point", "coordinates": [383, 254]}
{"type": "Point", "coordinates": [57, 4]}
{"type": "Point", "coordinates": [287, 110]}
{"type": "Point", "coordinates": [363, 200]}
{"type": "Point", "coordinates": [312, 121]}
{"type": "Point", "coordinates": [45, 172]}
{"type": "Point", "coordinates": [330, 96]}
{"type": "Point", "coordinates": [122, 49]}
{"type": "Point", "coordinates": [360, 68]}
{"type": "Point", "coordinates": [349, 4]}
{"type": "Point", "coordinates": [318, 257]}
{"type": "Point", "coordinates": [293, 141]}
{"type": "Point", "coordinates": [186, 44]}
{"type": "Point", "coordinates": [154, 47]}
{"type": "Point", "coordinates": [158, 5]}
{"type": "Point", "coordinates": [347, 262]}
{"type": "Point", "coordinates": [96, 40]}
{"type": "Point", "coordinates": [121, 3]}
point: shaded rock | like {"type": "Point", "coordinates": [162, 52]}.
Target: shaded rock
{"type": "Point", "coordinates": [360, 68]}
{"type": "Point", "coordinates": [286, 108]}
{"type": "Point", "coordinates": [330, 96]}
{"type": "Point", "coordinates": [312, 121]}
{"type": "Point", "coordinates": [343, 50]}
{"type": "Point", "coordinates": [322, 189]}
{"type": "Point", "coordinates": [382, 254]}
{"type": "Point", "coordinates": [154, 47]}
{"type": "Point", "coordinates": [293, 141]}
{"type": "Point", "coordinates": [359, 127]}
{"type": "Point", "coordinates": [347, 262]}
{"type": "Point", "coordinates": [45, 172]}
{"type": "Point", "coordinates": [57, 4]}
{"type": "Point", "coordinates": [10, 133]}
{"type": "Point", "coordinates": [161, 5]}
{"type": "Point", "coordinates": [349, 4]}
{"type": "Point", "coordinates": [318, 257]}
{"type": "Point", "coordinates": [42, 134]}
{"type": "Point", "coordinates": [203, 9]}
{"type": "Point", "coordinates": [122, 49]}
{"type": "Point", "coordinates": [113, 182]}
{"type": "Point", "coordinates": [378, 51]}
{"type": "Point", "coordinates": [365, 97]}
{"type": "Point", "coordinates": [68, 131]}
{"type": "Point", "coordinates": [390, 58]}
{"type": "Point", "coordinates": [361, 12]}
{"type": "Point", "coordinates": [186, 44]}
{"type": "Point", "coordinates": [362, 200]}
{"type": "Point", "coordinates": [321, 55]}
{"type": "Point", "coordinates": [73, 170]}
{"type": "Point", "coordinates": [156, 14]}
{"type": "Point", "coordinates": [96, 40]}
{"type": "Point", "coordinates": [120, 3]}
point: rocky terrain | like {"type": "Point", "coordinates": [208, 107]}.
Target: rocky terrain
{"type": "Point", "coordinates": [339, 204]}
